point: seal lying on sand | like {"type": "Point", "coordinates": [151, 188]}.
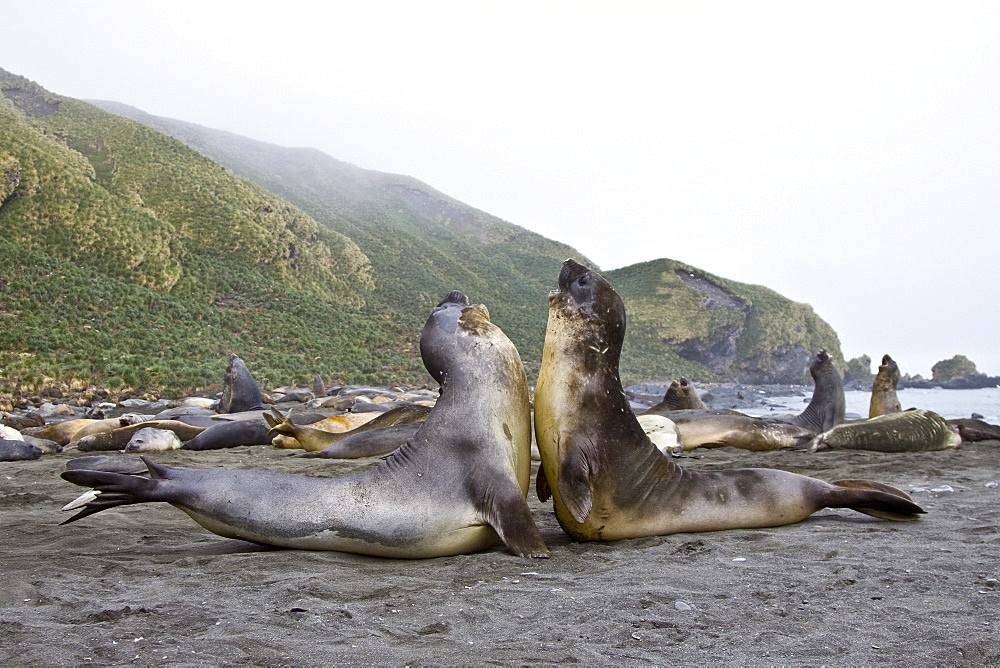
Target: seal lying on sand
{"type": "Point", "coordinates": [913, 430]}
{"type": "Point", "coordinates": [313, 439]}
{"type": "Point", "coordinates": [704, 430]}
{"type": "Point", "coordinates": [607, 479]}
{"type": "Point", "coordinates": [452, 489]}
{"type": "Point", "coordinates": [884, 399]}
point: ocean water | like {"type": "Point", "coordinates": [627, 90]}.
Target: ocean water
{"type": "Point", "coordinates": [947, 403]}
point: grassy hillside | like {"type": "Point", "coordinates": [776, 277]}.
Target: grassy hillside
{"type": "Point", "coordinates": [127, 253]}
{"type": "Point", "coordinates": [421, 243]}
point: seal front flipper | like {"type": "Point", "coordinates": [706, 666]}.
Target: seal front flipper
{"type": "Point", "coordinates": [575, 488]}
{"type": "Point", "coordinates": [507, 512]}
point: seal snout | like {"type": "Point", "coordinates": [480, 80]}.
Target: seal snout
{"type": "Point", "coordinates": [455, 297]}
{"type": "Point", "coordinates": [571, 270]}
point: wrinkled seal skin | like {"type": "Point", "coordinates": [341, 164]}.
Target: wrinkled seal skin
{"type": "Point", "coordinates": [827, 407]}
{"type": "Point", "coordinates": [884, 400]}
{"type": "Point", "coordinates": [240, 392]}
{"type": "Point", "coordinates": [739, 431]}
{"type": "Point", "coordinates": [608, 481]}
{"type": "Point", "coordinates": [913, 430]}
{"type": "Point", "coordinates": [453, 488]}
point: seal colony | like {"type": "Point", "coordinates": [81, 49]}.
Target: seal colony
{"type": "Point", "coordinates": [608, 481]}
{"type": "Point", "coordinates": [455, 487]}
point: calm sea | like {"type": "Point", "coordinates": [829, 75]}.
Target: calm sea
{"type": "Point", "coordinates": [947, 403]}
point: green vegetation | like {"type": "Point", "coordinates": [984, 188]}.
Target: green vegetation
{"type": "Point", "coordinates": [956, 367]}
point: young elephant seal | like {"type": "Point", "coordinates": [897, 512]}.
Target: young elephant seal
{"type": "Point", "coordinates": [456, 486]}
{"type": "Point", "coordinates": [607, 479]}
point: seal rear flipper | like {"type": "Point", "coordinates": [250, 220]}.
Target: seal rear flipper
{"type": "Point", "coordinates": [874, 498]}
{"type": "Point", "coordinates": [574, 484]}
{"type": "Point", "coordinates": [508, 513]}
{"type": "Point", "coordinates": [115, 489]}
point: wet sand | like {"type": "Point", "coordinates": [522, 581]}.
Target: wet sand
{"type": "Point", "coordinates": [146, 585]}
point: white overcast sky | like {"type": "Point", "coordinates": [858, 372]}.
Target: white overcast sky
{"type": "Point", "coordinates": [844, 154]}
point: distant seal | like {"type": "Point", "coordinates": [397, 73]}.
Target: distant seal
{"type": "Point", "coordinates": [674, 399]}
{"type": "Point", "coordinates": [452, 489]}
{"type": "Point", "coordinates": [827, 407]}
{"type": "Point", "coordinates": [663, 433]}
{"type": "Point", "coordinates": [608, 481]}
{"type": "Point", "coordinates": [313, 439]}
{"type": "Point", "coordinates": [117, 439]}
{"type": "Point", "coordinates": [240, 392]}
{"type": "Point", "coordinates": [884, 399]}
{"type": "Point", "coordinates": [371, 443]}
{"type": "Point", "coordinates": [705, 430]}
{"type": "Point", "coordinates": [693, 398]}
{"type": "Point", "coordinates": [150, 439]}
{"type": "Point", "coordinates": [13, 450]}
{"type": "Point", "coordinates": [913, 430]}
{"type": "Point", "coordinates": [230, 434]}
{"type": "Point", "coordinates": [60, 432]}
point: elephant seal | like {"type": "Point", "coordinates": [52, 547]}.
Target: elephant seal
{"type": "Point", "coordinates": [884, 399]}
{"type": "Point", "coordinates": [60, 432]}
{"type": "Point", "coordinates": [705, 430]}
{"type": "Point", "coordinates": [117, 439]}
{"type": "Point", "coordinates": [370, 443]}
{"type": "Point", "coordinates": [693, 398]}
{"type": "Point", "coordinates": [913, 430]}
{"type": "Point", "coordinates": [674, 399]}
{"type": "Point", "coordinates": [14, 450]}
{"type": "Point", "coordinates": [149, 439]}
{"type": "Point", "coordinates": [827, 407]}
{"type": "Point", "coordinates": [240, 392]}
{"type": "Point", "coordinates": [456, 486]}
{"type": "Point", "coordinates": [662, 431]}
{"type": "Point", "coordinates": [312, 438]}
{"type": "Point", "coordinates": [608, 481]}
{"type": "Point", "coordinates": [230, 434]}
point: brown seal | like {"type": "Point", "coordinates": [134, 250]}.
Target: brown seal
{"type": "Point", "coordinates": [884, 399]}
{"type": "Point", "coordinates": [608, 481]}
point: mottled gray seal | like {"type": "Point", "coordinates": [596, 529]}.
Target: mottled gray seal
{"type": "Point", "coordinates": [453, 488]}
{"type": "Point", "coordinates": [608, 481]}
{"type": "Point", "coordinates": [230, 434]}
{"type": "Point", "coordinates": [913, 430]}
{"type": "Point", "coordinates": [884, 399]}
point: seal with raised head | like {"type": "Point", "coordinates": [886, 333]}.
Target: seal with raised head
{"type": "Point", "coordinates": [608, 481]}
{"type": "Point", "coordinates": [240, 392]}
{"type": "Point", "coordinates": [827, 407]}
{"type": "Point", "coordinates": [884, 399]}
{"type": "Point", "coordinates": [456, 486]}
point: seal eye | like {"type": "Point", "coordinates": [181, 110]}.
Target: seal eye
{"type": "Point", "coordinates": [583, 281]}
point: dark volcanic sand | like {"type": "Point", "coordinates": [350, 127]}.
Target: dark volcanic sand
{"type": "Point", "coordinates": [146, 585]}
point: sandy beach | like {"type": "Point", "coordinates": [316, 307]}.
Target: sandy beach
{"type": "Point", "coordinates": [145, 585]}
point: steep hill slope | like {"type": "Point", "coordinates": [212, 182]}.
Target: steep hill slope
{"type": "Point", "coordinates": [122, 247]}
{"type": "Point", "coordinates": [421, 242]}
{"type": "Point", "coordinates": [683, 321]}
